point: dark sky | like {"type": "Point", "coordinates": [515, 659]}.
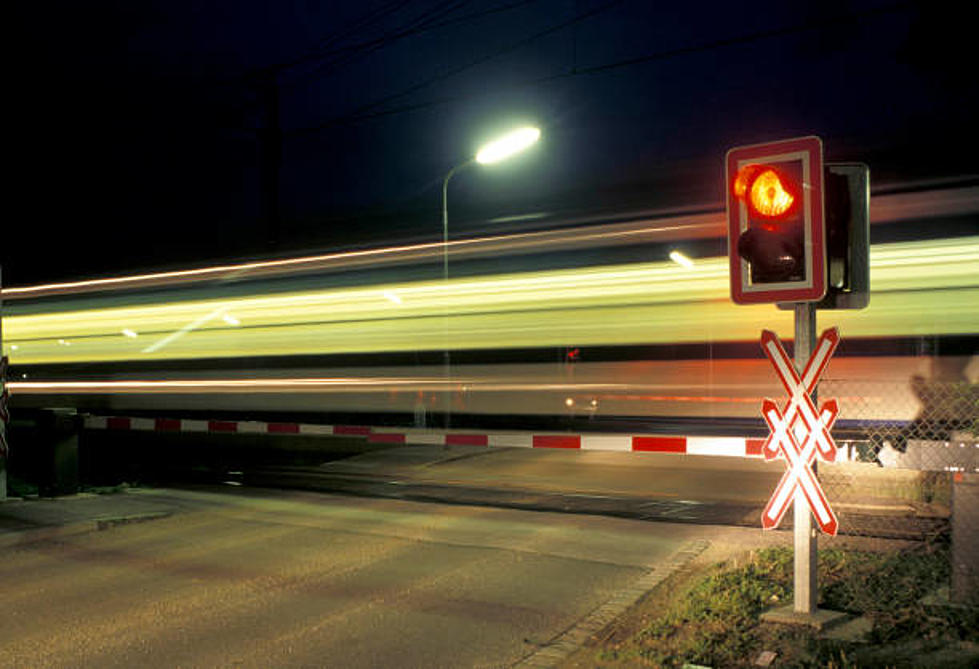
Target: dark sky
{"type": "Point", "coordinates": [150, 134]}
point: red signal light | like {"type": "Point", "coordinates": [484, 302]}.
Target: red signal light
{"type": "Point", "coordinates": [767, 192]}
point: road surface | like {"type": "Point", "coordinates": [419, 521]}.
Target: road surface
{"type": "Point", "coordinates": [288, 579]}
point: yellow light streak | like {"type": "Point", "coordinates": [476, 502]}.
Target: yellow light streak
{"type": "Point", "coordinates": [918, 288]}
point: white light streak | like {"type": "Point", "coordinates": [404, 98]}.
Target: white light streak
{"type": "Point", "coordinates": [182, 331]}
{"type": "Point", "coordinates": [680, 259]}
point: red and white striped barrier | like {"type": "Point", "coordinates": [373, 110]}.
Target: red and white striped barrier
{"type": "Point", "coordinates": [728, 446]}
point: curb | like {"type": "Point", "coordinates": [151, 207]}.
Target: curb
{"type": "Point", "coordinates": [17, 538]}
{"type": "Point", "coordinates": [560, 648]}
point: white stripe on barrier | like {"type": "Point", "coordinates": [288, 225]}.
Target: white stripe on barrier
{"type": "Point", "coordinates": [315, 429]}
{"type": "Point", "coordinates": [424, 437]}
{"type": "Point", "coordinates": [517, 439]}
{"type": "Point", "coordinates": [252, 427]}
{"type": "Point", "coordinates": [616, 442]}
{"type": "Point", "coordinates": [142, 424]}
{"type": "Point", "coordinates": [732, 446]}
{"type": "Point", "coordinates": [187, 425]}
{"type": "Point", "coordinates": [96, 422]}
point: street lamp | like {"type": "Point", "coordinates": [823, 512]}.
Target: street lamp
{"type": "Point", "coordinates": [499, 149]}
{"type": "Point", "coordinates": [492, 152]}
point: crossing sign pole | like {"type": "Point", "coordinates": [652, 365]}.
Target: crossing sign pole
{"type": "Point", "coordinates": [805, 537]}
{"type": "Point", "coordinates": [798, 433]}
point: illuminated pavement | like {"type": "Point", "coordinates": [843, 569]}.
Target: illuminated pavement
{"type": "Point", "coordinates": [262, 579]}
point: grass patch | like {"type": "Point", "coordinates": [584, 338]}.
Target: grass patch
{"type": "Point", "coordinates": [710, 616]}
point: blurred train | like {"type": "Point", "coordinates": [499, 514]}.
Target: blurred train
{"type": "Point", "coordinates": [586, 325]}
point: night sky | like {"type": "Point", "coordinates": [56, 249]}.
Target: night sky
{"type": "Point", "coordinates": [160, 134]}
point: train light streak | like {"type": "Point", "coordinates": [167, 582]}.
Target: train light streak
{"type": "Point", "coordinates": [919, 288]}
{"type": "Point", "coordinates": [132, 334]}
{"type": "Point", "coordinates": [681, 259]}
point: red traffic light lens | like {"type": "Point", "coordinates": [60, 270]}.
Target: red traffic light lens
{"type": "Point", "coordinates": [768, 195]}
{"type": "Point", "coordinates": [767, 191]}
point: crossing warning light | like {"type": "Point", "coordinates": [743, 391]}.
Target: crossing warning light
{"type": "Point", "coordinates": [775, 222]}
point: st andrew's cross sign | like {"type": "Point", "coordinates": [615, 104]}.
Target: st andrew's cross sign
{"type": "Point", "coordinates": [798, 432]}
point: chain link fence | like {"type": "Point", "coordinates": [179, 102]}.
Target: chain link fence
{"type": "Point", "coordinates": [910, 467]}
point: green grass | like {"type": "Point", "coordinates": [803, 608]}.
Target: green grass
{"type": "Point", "coordinates": [712, 618]}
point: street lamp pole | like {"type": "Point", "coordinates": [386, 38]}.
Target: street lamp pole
{"type": "Point", "coordinates": [445, 216]}
{"type": "Point", "coordinates": [446, 357]}
{"type": "Point", "coordinates": [493, 152]}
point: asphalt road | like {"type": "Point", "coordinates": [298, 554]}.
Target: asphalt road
{"type": "Point", "coordinates": [289, 579]}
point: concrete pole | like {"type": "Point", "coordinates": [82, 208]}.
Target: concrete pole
{"type": "Point", "coordinates": [806, 548]}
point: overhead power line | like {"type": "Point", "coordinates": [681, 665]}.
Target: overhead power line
{"type": "Point", "coordinates": [365, 111]}
{"type": "Point", "coordinates": [370, 111]}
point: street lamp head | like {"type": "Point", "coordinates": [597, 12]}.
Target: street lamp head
{"type": "Point", "coordinates": [508, 145]}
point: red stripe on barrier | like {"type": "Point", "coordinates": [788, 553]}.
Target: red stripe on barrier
{"type": "Point", "coordinates": [386, 438]}
{"type": "Point", "coordinates": [352, 429]}
{"type": "Point", "coordinates": [222, 426]}
{"type": "Point", "coordinates": [467, 440]}
{"type": "Point", "coordinates": [660, 444]}
{"type": "Point", "coordinates": [116, 423]}
{"type": "Point", "coordinates": [753, 446]}
{"type": "Point", "coordinates": [167, 425]}
{"type": "Point", "coordinates": [557, 441]}
{"type": "Point", "coordinates": [284, 428]}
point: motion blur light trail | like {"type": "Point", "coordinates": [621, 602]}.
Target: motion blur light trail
{"type": "Point", "coordinates": [919, 288]}
{"type": "Point", "coordinates": [942, 200]}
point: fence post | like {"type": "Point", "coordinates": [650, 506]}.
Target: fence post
{"type": "Point", "coordinates": [965, 537]}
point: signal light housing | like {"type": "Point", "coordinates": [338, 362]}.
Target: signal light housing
{"type": "Point", "coordinates": [775, 222]}
{"type": "Point", "coordinates": [847, 236]}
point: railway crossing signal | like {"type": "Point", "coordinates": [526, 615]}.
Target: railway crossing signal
{"type": "Point", "coordinates": [775, 221]}
{"type": "Point", "coordinates": [798, 236]}
{"type": "Point", "coordinates": [800, 432]}
{"type": "Point", "coordinates": [798, 229]}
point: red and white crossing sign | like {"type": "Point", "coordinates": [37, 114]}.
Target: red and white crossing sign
{"type": "Point", "coordinates": [798, 433]}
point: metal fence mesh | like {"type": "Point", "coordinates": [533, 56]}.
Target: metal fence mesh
{"type": "Point", "coordinates": [910, 466]}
